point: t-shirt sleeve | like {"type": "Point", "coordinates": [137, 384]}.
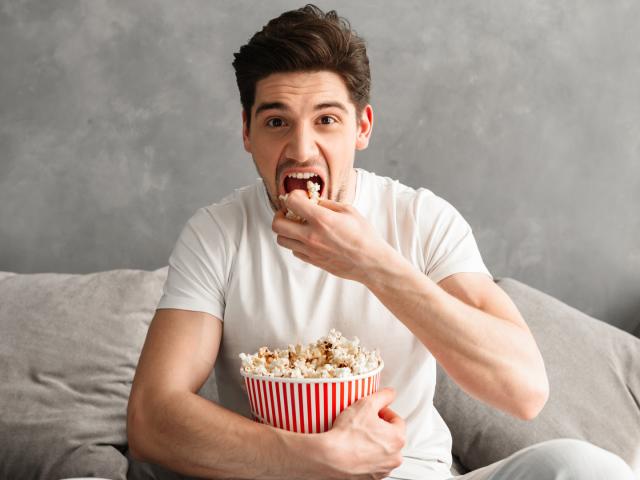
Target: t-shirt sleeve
{"type": "Point", "coordinates": [196, 278]}
{"type": "Point", "coordinates": [449, 244]}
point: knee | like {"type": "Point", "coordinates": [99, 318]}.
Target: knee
{"type": "Point", "coordinates": [586, 460]}
{"type": "Point", "coordinates": [569, 459]}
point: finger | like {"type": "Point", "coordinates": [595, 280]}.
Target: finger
{"type": "Point", "coordinates": [288, 228]}
{"type": "Point", "coordinates": [390, 416]}
{"type": "Point", "coordinates": [304, 257]}
{"type": "Point", "coordinates": [382, 398]}
{"type": "Point", "coordinates": [298, 202]}
{"type": "Point", "coordinates": [292, 244]}
{"type": "Point", "coordinates": [386, 414]}
{"type": "Point", "coordinates": [307, 259]}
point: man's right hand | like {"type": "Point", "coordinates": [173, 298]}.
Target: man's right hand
{"type": "Point", "coordinates": [366, 439]}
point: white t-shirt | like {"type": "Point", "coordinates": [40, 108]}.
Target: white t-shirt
{"type": "Point", "coordinates": [227, 263]}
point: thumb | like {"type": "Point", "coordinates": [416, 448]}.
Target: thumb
{"type": "Point", "coordinates": [382, 398]}
{"type": "Point", "coordinates": [390, 416]}
{"type": "Point", "coordinates": [298, 202]}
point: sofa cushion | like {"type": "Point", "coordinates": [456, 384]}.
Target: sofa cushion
{"type": "Point", "coordinates": [69, 345]}
{"type": "Point", "coordinates": [594, 378]}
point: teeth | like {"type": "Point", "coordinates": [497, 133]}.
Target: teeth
{"type": "Point", "coordinates": [301, 175]}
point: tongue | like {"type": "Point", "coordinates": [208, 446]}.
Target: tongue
{"type": "Point", "coordinates": [291, 184]}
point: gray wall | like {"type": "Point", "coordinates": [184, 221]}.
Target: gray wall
{"type": "Point", "coordinates": [119, 119]}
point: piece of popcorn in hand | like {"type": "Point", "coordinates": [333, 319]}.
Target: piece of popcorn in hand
{"type": "Point", "coordinates": [313, 192]}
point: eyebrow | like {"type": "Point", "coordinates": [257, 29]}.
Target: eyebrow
{"type": "Point", "coordinates": [281, 106]}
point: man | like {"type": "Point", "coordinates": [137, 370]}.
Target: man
{"type": "Point", "coordinates": [395, 266]}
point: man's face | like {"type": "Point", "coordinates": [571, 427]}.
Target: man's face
{"type": "Point", "coordinates": [305, 123]}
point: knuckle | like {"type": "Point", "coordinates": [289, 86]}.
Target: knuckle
{"type": "Point", "coordinates": [361, 405]}
{"type": "Point", "coordinates": [403, 425]}
{"type": "Point", "coordinates": [402, 441]}
{"type": "Point", "coordinates": [312, 239]}
{"type": "Point", "coordinates": [327, 217]}
{"type": "Point", "coordinates": [324, 223]}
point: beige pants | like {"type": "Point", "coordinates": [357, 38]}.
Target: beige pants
{"type": "Point", "coordinates": [561, 459]}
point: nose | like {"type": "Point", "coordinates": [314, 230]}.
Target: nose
{"type": "Point", "coordinates": [302, 144]}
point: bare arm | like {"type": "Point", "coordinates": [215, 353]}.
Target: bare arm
{"type": "Point", "coordinates": [169, 424]}
{"type": "Point", "coordinates": [475, 332]}
{"type": "Point", "coordinates": [467, 322]}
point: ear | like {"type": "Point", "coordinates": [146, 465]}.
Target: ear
{"type": "Point", "coordinates": [365, 124]}
{"type": "Point", "coordinates": [245, 132]}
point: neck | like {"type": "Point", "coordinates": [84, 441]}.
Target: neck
{"type": "Point", "coordinates": [350, 191]}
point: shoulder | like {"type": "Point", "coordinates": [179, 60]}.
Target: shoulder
{"type": "Point", "coordinates": [234, 204]}
{"type": "Point", "coordinates": [421, 202]}
{"type": "Point", "coordinates": [228, 216]}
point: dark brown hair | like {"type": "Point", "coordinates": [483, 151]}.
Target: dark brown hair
{"type": "Point", "coordinates": [306, 39]}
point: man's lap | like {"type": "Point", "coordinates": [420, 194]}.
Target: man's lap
{"type": "Point", "coordinates": [555, 459]}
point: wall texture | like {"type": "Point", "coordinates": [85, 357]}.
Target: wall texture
{"type": "Point", "coordinates": [118, 119]}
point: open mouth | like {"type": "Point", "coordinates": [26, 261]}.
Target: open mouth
{"type": "Point", "coordinates": [299, 181]}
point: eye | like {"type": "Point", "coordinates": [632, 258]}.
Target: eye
{"type": "Point", "coordinates": [327, 120]}
{"type": "Point", "coordinates": [275, 122]}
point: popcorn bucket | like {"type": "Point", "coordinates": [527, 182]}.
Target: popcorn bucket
{"type": "Point", "coordinates": [306, 405]}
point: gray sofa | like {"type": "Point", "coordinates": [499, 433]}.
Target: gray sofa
{"type": "Point", "coordinates": [69, 346]}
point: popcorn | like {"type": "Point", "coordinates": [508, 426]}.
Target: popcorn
{"type": "Point", "coordinates": [332, 356]}
{"type": "Point", "coordinates": [313, 192]}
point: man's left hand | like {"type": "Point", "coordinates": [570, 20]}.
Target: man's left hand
{"type": "Point", "coordinates": [335, 237]}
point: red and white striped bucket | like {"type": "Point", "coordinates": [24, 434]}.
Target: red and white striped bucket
{"type": "Point", "coordinates": [306, 405]}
